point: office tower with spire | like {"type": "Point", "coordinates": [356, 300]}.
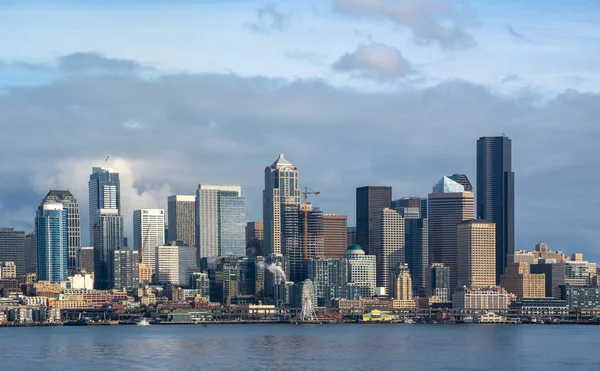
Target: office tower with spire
{"type": "Point", "coordinates": [104, 192]}
{"type": "Point", "coordinates": [108, 237]}
{"type": "Point", "coordinates": [71, 206]}
{"type": "Point", "coordinates": [281, 188]}
{"type": "Point", "coordinates": [148, 233]}
{"type": "Point", "coordinates": [370, 200]}
{"type": "Point", "coordinates": [220, 221]}
{"type": "Point", "coordinates": [52, 237]}
{"type": "Point", "coordinates": [182, 220]}
{"type": "Point", "coordinates": [496, 194]}
{"type": "Point", "coordinates": [448, 205]}
{"type": "Point", "coordinates": [388, 245]}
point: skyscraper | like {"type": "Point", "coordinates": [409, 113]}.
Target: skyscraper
{"type": "Point", "coordinates": [281, 188]}
{"type": "Point", "coordinates": [125, 269]}
{"type": "Point", "coordinates": [51, 230]}
{"type": "Point", "coordinates": [330, 279]}
{"type": "Point", "coordinates": [402, 283]}
{"type": "Point", "coordinates": [255, 239]}
{"type": "Point", "coordinates": [438, 282]}
{"type": "Point", "coordinates": [334, 235]}
{"type": "Point", "coordinates": [175, 264]}
{"type": "Point", "coordinates": [362, 270]}
{"type": "Point", "coordinates": [12, 248]}
{"type": "Point", "coordinates": [476, 245]}
{"type": "Point", "coordinates": [71, 206]}
{"type": "Point", "coordinates": [496, 194]}
{"type": "Point", "coordinates": [85, 260]}
{"type": "Point", "coordinates": [31, 260]}
{"type": "Point", "coordinates": [462, 180]}
{"type": "Point", "coordinates": [182, 220]}
{"type": "Point", "coordinates": [351, 236]}
{"type": "Point", "coordinates": [302, 237]}
{"type": "Point", "coordinates": [105, 193]}
{"type": "Point", "coordinates": [220, 221]}
{"type": "Point", "coordinates": [108, 237]}
{"type": "Point", "coordinates": [388, 245]}
{"type": "Point", "coordinates": [448, 205]}
{"type": "Point", "coordinates": [148, 232]}
{"type": "Point", "coordinates": [416, 252]}
{"type": "Point", "coordinates": [369, 201]}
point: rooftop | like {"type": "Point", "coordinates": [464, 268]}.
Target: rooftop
{"type": "Point", "coordinates": [447, 185]}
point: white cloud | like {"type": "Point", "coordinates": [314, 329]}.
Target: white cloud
{"type": "Point", "coordinates": [374, 60]}
{"type": "Point", "coordinates": [132, 124]}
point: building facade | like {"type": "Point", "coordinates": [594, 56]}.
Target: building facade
{"type": "Point", "coordinates": [85, 259]}
{"type": "Point", "coordinates": [71, 205]}
{"type": "Point", "coordinates": [351, 236]}
{"type": "Point", "coordinates": [220, 221]}
{"type": "Point", "coordinates": [255, 239]}
{"type": "Point", "coordinates": [496, 194]}
{"type": "Point", "coordinates": [330, 279]}
{"type": "Point", "coordinates": [362, 270]}
{"type": "Point", "coordinates": [148, 233]}
{"type": "Point", "coordinates": [281, 188]}
{"type": "Point", "coordinates": [108, 237]}
{"type": "Point", "coordinates": [334, 235]}
{"type": "Point", "coordinates": [125, 269]}
{"type": "Point", "coordinates": [448, 205]}
{"type": "Point", "coordinates": [175, 264]}
{"type": "Point", "coordinates": [388, 245]}
{"type": "Point", "coordinates": [493, 298]}
{"type": "Point", "coordinates": [51, 230]}
{"type": "Point", "coordinates": [181, 211]}
{"type": "Point", "coordinates": [438, 282]}
{"type": "Point", "coordinates": [302, 237]}
{"type": "Point", "coordinates": [402, 284]}
{"type": "Point", "coordinates": [416, 254]}
{"type": "Point", "coordinates": [476, 244]}
{"type": "Point", "coordinates": [517, 279]}
{"type": "Point", "coordinates": [370, 200]}
{"type": "Point", "coordinates": [12, 248]}
{"type": "Point", "coordinates": [31, 253]}
{"type": "Point", "coordinates": [104, 193]}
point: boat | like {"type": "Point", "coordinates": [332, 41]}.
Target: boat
{"type": "Point", "coordinates": [409, 321]}
{"type": "Point", "coordinates": [143, 322]}
{"type": "Point", "coordinates": [468, 319]}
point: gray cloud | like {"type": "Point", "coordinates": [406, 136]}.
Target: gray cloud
{"type": "Point", "coordinates": [375, 61]}
{"type": "Point", "coordinates": [518, 37]}
{"type": "Point", "coordinates": [269, 19]}
{"type": "Point", "coordinates": [339, 139]}
{"type": "Point", "coordinates": [430, 21]}
{"type": "Point", "coordinates": [89, 62]}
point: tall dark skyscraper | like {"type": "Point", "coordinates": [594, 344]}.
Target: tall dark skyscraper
{"type": "Point", "coordinates": [71, 206]}
{"type": "Point", "coordinates": [496, 194]}
{"type": "Point", "coordinates": [12, 248]}
{"type": "Point", "coordinates": [369, 201]}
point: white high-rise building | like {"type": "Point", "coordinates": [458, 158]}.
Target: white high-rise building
{"type": "Point", "coordinates": [148, 233]}
{"type": "Point", "coordinates": [220, 221]}
{"type": "Point", "coordinates": [281, 188]}
{"type": "Point", "coordinates": [388, 245]}
{"type": "Point", "coordinates": [362, 270]}
{"type": "Point", "coordinates": [175, 264]}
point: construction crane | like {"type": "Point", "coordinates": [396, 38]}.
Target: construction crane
{"type": "Point", "coordinates": [307, 191]}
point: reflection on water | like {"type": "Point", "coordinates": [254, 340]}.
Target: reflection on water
{"type": "Point", "coordinates": [293, 347]}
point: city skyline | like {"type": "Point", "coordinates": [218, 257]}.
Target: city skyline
{"type": "Point", "coordinates": [402, 131]}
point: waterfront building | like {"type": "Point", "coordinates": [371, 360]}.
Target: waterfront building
{"type": "Point", "coordinates": [255, 239]}
{"type": "Point", "coordinates": [370, 200]}
{"type": "Point", "coordinates": [220, 221]}
{"type": "Point", "coordinates": [104, 193]}
{"type": "Point", "coordinates": [577, 273]}
{"type": "Point", "coordinates": [12, 248]}
{"type": "Point", "coordinates": [554, 274]}
{"type": "Point", "coordinates": [387, 244]}
{"type": "Point", "coordinates": [281, 188]}
{"type": "Point", "coordinates": [496, 194]}
{"type": "Point", "coordinates": [490, 298]}
{"type": "Point", "coordinates": [334, 235]}
{"type": "Point", "coordinates": [181, 214]}
{"type": "Point", "coordinates": [148, 233]}
{"type": "Point", "coordinates": [51, 230]}
{"type": "Point", "coordinates": [362, 270]}
{"type": "Point", "coordinates": [351, 236]}
{"type": "Point", "coordinates": [8, 270]}
{"type": "Point", "coordinates": [71, 206]}
{"type": "Point", "coordinates": [175, 264]}
{"type": "Point", "coordinates": [125, 269]}
{"type": "Point", "coordinates": [518, 280]}
{"type": "Point", "coordinates": [540, 307]}
{"type": "Point", "coordinates": [302, 237]}
{"type": "Point", "coordinates": [108, 237]}
{"type": "Point", "coordinates": [448, 205]}
{"type": "Point", "coordinates": [330, 279]}
{"type": "Point", "coordinates": [476, 244]}
{"type": "Point", "coordinates": [30, 253]}
{"type": "Point", "coordinates": [579, 298]}
{"type": "Point", "coordinates": [85, 258]}
{"type": "Point", "coordinates": [402, 284]}
{"type": "Point", "coordinates": [438, 282]}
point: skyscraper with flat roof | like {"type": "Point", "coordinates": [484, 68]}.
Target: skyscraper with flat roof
{"type": "Point", "coordinates": [182, 219]}
{"type": "Point", "coordinates": [220, 221]}
{"type": "Point", "coordinates": [51, 230]}
{"type": "Point", "coordinates": [108, 237]}
{"type": "Point", "coordinates": [496, 194]}
{"type": "Point", "coordinates": [369, 201]}
{"type": "Point", "coordinates": [71, 206]}
{"type": "Point", "coordinates": [476, 245]}
{"type": "Point", "coordinates": [148, 232]}
{"type": "Point", "coordinates": [448, 205]}
{"type": "Point", "coordinates": [388, 245]}
{"type": "Point", "coordinates": [12, 248]}
{"type": "Point", "coordinates": [281, 188]}
{"type": "Point", "coordinates": [438, 282]}
{"type": "Point", "coordinates": [255, 239]}
{"type": "Point", "coordinates": [104, 193]}
{"type": "Point", "coordinates": [334, 235]}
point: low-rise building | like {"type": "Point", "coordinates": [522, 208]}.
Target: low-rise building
{"type": "Point", "coordinates": [578, 297]}
{"type": "Point", "coordinates": [540, 307]}
{"type": "Point", "coordinates": [187, 316]}
{"type": "Point", "coordinates": [8, 270]}
{"type": "Point", "coordinates": [490, 298]}
{"type": "Point", "coordinates": [518, 280]}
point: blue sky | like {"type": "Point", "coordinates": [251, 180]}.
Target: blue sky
{"type": "Point", "coordinates": [354, 92]}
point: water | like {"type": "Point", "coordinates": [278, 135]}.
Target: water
{"type": "Point", "coordinates": [297, 347]}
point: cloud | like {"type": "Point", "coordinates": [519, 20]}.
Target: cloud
{"type": "Point", "coordinates": [91, 62]}
{"type": "Point", "coordinates": [430, 21]}
{"type": "Point", "coordinates": [510, 79]}
{"type": "Point", "coordinates": [132, 124]}
{"type": "Point", "coordinates": [376, 61]}
{"type": "Point", "coordinates": [269, 19]}
{"type": "Point", "coordinates": [518, 37]}
{"type": "Point", "coordinates": [339, 139]}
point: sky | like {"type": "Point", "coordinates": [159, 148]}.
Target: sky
{"type": "Point", "coordinates": [353, 92]}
